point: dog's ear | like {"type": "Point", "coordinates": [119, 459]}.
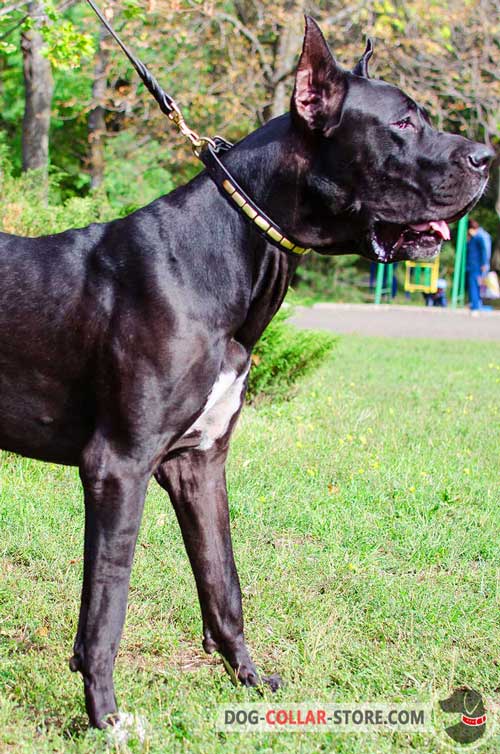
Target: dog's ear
{"type": "Point", "coordinates": [361, 67]}
{"type": "Point", "coordinates": [320, 83]}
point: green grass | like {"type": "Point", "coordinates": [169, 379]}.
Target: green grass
{"type": "Point", "coordinates": [366, 527]}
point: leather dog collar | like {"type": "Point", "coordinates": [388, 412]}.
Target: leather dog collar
{"type": "Point", "coordinates": [239, 199]}
{"type": "Point", "coordinates": [474, 721]}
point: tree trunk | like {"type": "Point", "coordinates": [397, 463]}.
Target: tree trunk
{"type": "Point", "coordinates": [97, 123]}
{"type": "Point", "coordinates": [39, 87]}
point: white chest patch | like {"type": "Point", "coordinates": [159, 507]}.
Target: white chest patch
{"type": "Point", "coordinates": [222, 404]}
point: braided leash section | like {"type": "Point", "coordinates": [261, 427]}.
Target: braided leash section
{"type": "Point", "coordinates": [167, 104]}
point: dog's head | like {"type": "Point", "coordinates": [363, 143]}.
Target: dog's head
{"type": "Point", "coordinates": [380, 179]}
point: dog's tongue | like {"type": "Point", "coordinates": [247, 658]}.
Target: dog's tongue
{"type": "Point", "coordinates": [440, 227]}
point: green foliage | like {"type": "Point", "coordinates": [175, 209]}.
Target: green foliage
{"type": "Point", "coordinates": [132, 184]}
{"type": "Point", "coordinates": [132, 10]}
{"type": "Point", "coordinates": [488, 219]}
{"type": "Point", "coordinates": [6, 47]}
{"type": "Point", "coordinates": [66, 46]}
{"type": "Point", "coordinates": [332, 278]}
{"type": "Point", "coordinates": [24, 212]}
{"type": "Point", "coordinates": [282, 356]}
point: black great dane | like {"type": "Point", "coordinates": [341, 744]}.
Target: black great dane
{"type": "Point", "coordinates": [125, 346]}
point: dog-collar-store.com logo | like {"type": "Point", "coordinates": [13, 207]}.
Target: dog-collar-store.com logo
{"type": "Point", "coordinates": [471, 720]}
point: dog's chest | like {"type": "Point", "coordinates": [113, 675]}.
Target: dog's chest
{"type": "Point", "coordinates": [222, 404]}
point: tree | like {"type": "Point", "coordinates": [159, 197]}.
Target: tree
{"type": "Point", "coordinates": [48, 42]}
{"type": "Point", "coordinates": [97, 119]}
{"type": "Point", "coordinates": [39, 88]}
{"type": "Point", "coordinates": [230, 64]}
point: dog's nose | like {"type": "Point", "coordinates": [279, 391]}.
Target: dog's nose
{"type": "Point", "coordinates": [480, 157]}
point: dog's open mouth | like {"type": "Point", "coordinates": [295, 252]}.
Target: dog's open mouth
{"type": "Point", "coordinates": [419, 241]}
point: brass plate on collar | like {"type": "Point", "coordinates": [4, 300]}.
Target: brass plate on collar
{"type": "Point", "coordinates": [238, 199]}
{"type": "Point", "coordinates": [261, 223]}
{"type": "Point", "coordinates": [274, 234]}
{"type": "Point", "coordinates": [228, 186]}
{"type": "Point", "coordinates": [249, 211]}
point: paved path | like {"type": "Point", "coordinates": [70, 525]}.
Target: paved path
{"type": "Point", "coordinates": [400, 321]}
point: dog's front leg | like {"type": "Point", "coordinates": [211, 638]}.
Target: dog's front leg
{"type": "Point", "coordinates": [115, 489]}
{"type": "Point", "coordinates": [195, 481]}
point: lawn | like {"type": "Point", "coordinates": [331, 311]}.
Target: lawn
{"type": "Point", "coordinates": [366, 527]}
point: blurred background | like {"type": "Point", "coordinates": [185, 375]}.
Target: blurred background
{"type": "Point", "coordinates": [81, 139]}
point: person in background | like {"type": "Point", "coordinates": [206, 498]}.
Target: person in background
{"type": "Point", "coordinates": [439, 297]}
{"type": "Point", "coordinates": [478, 256]}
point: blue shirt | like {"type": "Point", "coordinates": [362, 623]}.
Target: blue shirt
{"type": "Point", "coordinates": [479, 250]}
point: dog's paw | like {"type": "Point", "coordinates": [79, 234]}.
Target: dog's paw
{"type": "Point", "coordinates": [273, 682]}
{"type": "Point", "coordinates": [241, 670]}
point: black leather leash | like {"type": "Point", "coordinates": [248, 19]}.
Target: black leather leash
{"type": "Point", "coordinates": [208, 150]}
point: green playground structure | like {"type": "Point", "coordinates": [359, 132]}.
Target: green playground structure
{"type": "Point", "coordinates": [458, 289]}
{"type": "Point", "coordinates": [424, 277]}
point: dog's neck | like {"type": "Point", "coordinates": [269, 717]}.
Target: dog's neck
{"type": "Point", "coordinates": [262, 166]}
{"type": "Point", "coordinates": [277, 165]}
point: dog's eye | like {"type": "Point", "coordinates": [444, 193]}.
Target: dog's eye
{"type": "Point", "coordinates": [404, 123]}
